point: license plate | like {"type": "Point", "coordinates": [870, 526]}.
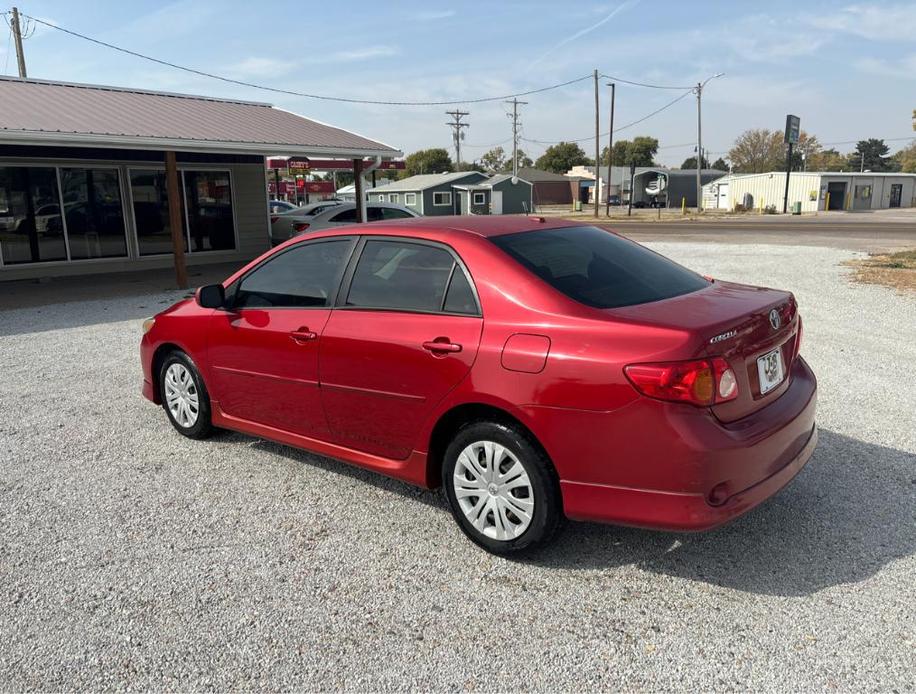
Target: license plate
{"type": "Point", "coordinates": [770, 371]}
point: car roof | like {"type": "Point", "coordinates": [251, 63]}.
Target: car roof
{"type": "Point", "coordinates": [480, 225]}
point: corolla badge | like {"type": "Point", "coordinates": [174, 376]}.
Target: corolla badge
{"type": "Point", "coordinates": [723, 336]}
{"type": "Point", "coordinates": [774, 319]}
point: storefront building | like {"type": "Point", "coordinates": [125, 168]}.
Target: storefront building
{"type": "Point", "coordinates": [88, 175]}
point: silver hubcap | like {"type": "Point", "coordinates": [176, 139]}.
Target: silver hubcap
{"type": "Point", "coordinates": [493, 490]}
{"type": "Point", "coordinates": [181, 395]}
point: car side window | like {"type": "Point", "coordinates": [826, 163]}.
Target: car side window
{"type": "Point", "coordinates": [402, 276]}
{"type": "Point", "coordinates": [374, 214]}
{"type": "Point", "coordinates": [460, 297]}
{"type": "Point", "coordinates": [343, 217]}
{"type": "Point", "coordinates": [304, 276]}
{"type": "Point", "coordinates": [394, 213]}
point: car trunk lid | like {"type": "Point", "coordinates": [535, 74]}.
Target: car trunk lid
{"type": "Point", "coordinates": [738, 322]}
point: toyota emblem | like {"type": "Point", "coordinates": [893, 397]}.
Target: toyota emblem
{"type": "Point", "coordinates": [774, 319]}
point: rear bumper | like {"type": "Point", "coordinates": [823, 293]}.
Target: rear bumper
{"type": "Point", "coordinates": [672, 510]}
{"type": "Point", "coordinates": [675, 460]}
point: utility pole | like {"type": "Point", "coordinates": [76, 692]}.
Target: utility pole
{"type": "Point", "coordinates": [515, 103]}
{"type": "Point", "coordinates": [457, 135]}
{"type": "Point", "coordinates": [17, 37]}
{"type": "Point", "coordinates": [699, 91]}
{"type": "Point", "coordinates": [610, 153]}
{"type": "Point", "coordinates": [699, 146]}
{"type": "Point", "coordinates": [597, 144]}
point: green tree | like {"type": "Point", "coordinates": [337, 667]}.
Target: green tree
{"type": "Point", "coordinates": [906, 158]}
{"type": "Point", "coordinates": [871, 155]}
{"type": "Point", "coordinates": [470, 166]}
{"type": "Point", "coordinates": [494, 160]}
{"type": "Point", "coordinates": [523, 160]}
{"type": "Point", "coordinates": [720, 164]}
{"type": "Point", "coordinates": [641, 151]}
{"type": "Point", "coordinates": [691, 163]}
{"type": "Point", "coordinates": [561, 157]}
{"type": "Point", "coordinates": [758, 150]}
{"type": "Point", "coordinates": [427, 161]}
{"type": "Point", "coordinates": [828, 160]}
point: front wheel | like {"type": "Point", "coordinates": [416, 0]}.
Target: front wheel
{"type": "Point", "coordinates": [184, 396]}
{"type": "Point", "coordinates": [501, 487]}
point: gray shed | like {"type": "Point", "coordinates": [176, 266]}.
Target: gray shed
{"type": "Point", "coordinates": [500, 194]}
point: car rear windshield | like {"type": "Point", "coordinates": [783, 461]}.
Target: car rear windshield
{"type": "Point", "coordinates": [598, 268]}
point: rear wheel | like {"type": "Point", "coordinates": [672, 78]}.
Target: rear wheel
{"type": "Point", "coordinates": [184, 396]}
{"type": "Point", "coordinates": [501, 487]}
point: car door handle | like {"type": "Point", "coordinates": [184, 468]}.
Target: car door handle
{"type": "Point", "coordinates": [303, 335]}
{"type": "Point", "coordinates": [441, 345]}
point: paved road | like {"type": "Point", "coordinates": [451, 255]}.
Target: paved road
{"type": "Point", "coordinates": [869, 236]}
{"type": "Point", "coordinates": [132, 558]}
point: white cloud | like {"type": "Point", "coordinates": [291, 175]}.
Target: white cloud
{"type": "Point", "coordinates": [261, 67]}
{"type": "Point", "coordinates": [879, 22]}
{"type": "Point", "coordinates": [433, 15]}
{"type": "Point", "coordinates": [359, 54]}
{"type": "Point", "coordinates": [587, 30]}
{"type": "Point", "coordinates": [905, 68]}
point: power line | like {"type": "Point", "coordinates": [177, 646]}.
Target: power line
{"type": "Point", "coordinates": [290, 92]}
{"type": "Point", "coordinates": [644, 84]}
{"type": "Point", "coordinates": [616, 130]}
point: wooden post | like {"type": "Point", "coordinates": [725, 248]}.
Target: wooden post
{"type": "Point", "coordinates": [175, 221]}
{"type": "Point", "coordinates": [358, 189]}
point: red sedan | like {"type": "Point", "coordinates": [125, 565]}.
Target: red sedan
{"type": "Point", "coordinates": [535, 369]}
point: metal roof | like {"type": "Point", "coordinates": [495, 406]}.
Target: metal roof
{"type": "Point", "coordinates": [424, 181]}
{"type": "Point", "coordinates": [60, 113]}
{"type": "Point", "coordinates": [533, 175]}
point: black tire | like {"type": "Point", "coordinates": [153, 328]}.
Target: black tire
{"type": "Point", "coordinates": [547, 515]}
{"type": "Point", "coordinates": [202, 427]}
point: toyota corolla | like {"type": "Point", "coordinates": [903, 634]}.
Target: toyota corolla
{"type": "Point", "coordinates": [536, 370]}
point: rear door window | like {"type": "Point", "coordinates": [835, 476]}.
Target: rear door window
{"type": "Point", "coordinates": [344, 217]}
{"type": "Point", "coordinates": [598, 268]}
{"type": "Point", "coordinates": [408, 276]}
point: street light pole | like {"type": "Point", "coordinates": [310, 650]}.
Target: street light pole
{"type": "Point", "coordinates": [699, 91]}
{"type": "Point", "coordinates": [610, 154]}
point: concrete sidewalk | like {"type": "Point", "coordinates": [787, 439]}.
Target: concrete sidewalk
{"type": "Point", "coordinates": [32, 293]}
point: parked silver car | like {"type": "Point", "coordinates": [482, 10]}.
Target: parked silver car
{"type": "Point", "coordinates": [345, 213]}
{"type": "Point", "coordinates": [282, 225]}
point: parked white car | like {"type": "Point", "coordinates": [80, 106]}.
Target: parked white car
{"type": "Point", "coordinates": [282, 225]}
{"type": "Point", "coordinates": [345, 213]}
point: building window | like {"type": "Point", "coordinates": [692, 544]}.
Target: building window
{"type": "Point", "coordinates": [393, 197]}
{"type": "Point", "coordinates": [151, 212]}
{"type": "Point", "coordinates": [380, 198]}
{"type": "Point", "coordinates": [410, 198]}
{"type": "Point", "coordinates": [30, 226]}
{"type": "Point", "coordinates": [208, 199]}
{"type": "Point", "coordinates": [93, 213]}
{"type": "Point", "coordinates": [442, 199]}
{"type": "Point", "coordinates": [480, 198]}
{"type": "Point", "coordinates": [206, 207]}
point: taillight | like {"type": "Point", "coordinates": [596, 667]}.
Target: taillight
{"type": "Point", "coordinates": [798, 337]}
{"type": "Point", "coordinates": [299, 227]}
{"type": "Point", "coordinates": [701, 382]}
{"type": "Point", "coordinates": [273, 218]}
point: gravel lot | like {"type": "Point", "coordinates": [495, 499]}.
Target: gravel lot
{"type": "Point", "coordinates": [132, 558]}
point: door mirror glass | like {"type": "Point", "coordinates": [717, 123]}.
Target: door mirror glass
{"type": "Point", "coordinates": [212, 296]}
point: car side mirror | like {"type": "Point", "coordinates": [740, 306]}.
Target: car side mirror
{"type": "Point", "coordinates": [211, 296]}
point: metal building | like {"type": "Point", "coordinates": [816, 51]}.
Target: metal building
{"type": "Point", "coordinates": [812, 191]}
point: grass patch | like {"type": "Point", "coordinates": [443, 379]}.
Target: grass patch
{"type": "Point", "coordinates": [896, 270]}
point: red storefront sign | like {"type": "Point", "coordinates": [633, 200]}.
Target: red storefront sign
{"type": "Point", "coordinates": [327, 164]}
